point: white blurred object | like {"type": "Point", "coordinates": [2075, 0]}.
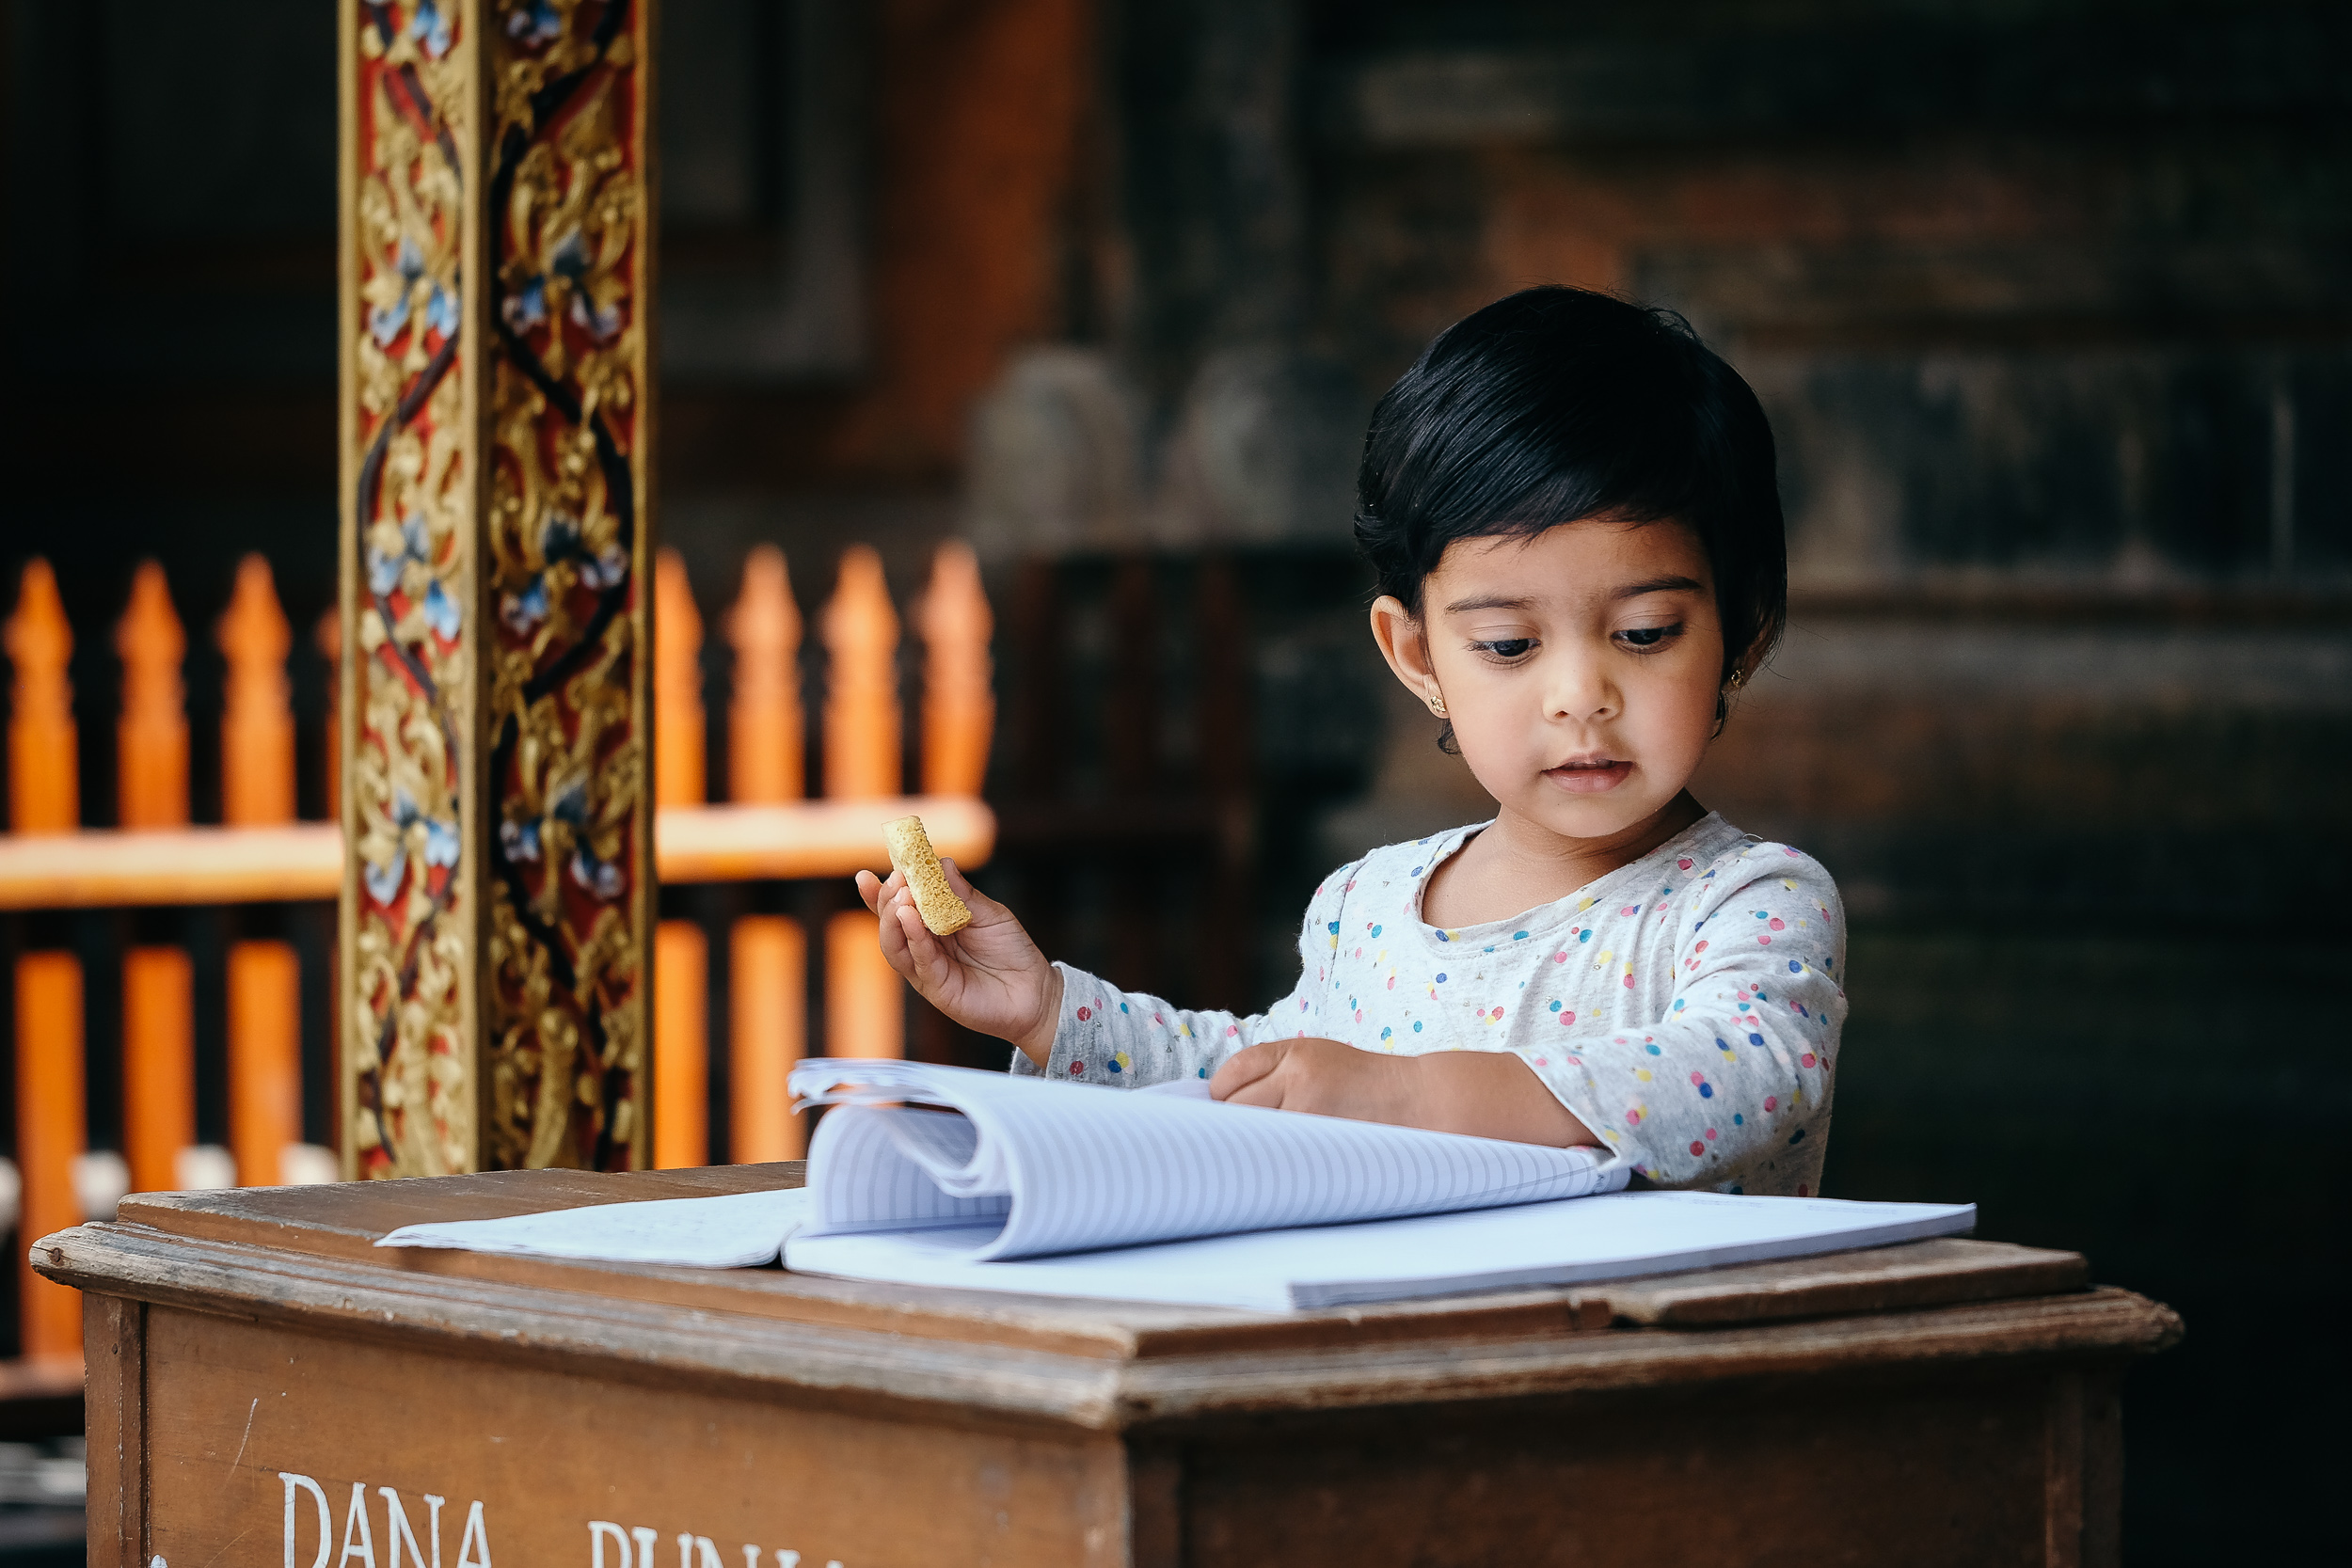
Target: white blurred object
{"type": "Point", "coordinates": [54, 1475]}
{"type": "Point", "coordinates": [11, 1194]}
{"type": "Point", "coordinates": [308, 1165]}
{"type": "Point", "coordinates": [64, 1478]}
{"type": "Point", "coordinates": [100, 1179]}
{"type": "Point", "coordinates": [203, 1168]}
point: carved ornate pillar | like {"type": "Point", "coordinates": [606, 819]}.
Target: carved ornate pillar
{"type": "Point", "coordinates": [498, 885]}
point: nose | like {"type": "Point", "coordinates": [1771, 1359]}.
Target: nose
{"type": "Point", "coordinates": [1583, 688]}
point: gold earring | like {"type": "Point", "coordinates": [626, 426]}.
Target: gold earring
{"type": "Point", "coordinates": [1739, 678]}
{"type": "Point", "coordinates": [1436, 704]}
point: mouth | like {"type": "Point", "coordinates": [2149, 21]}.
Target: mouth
{"type": "Point", "coordinates": [1589, 775]}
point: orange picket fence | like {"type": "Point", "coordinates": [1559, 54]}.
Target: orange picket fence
{"type": "Point", "coordinates": [766, 831]}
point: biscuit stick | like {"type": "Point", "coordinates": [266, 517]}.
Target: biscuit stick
{"type": "Point", "coordinates": [912, 857]}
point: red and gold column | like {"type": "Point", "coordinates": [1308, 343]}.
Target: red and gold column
{"type": "Point", "coordinates": [497, 279]}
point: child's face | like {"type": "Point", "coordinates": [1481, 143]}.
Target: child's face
{"type": "Point", "coordinates": [1581, 668]}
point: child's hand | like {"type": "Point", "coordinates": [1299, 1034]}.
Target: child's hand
{"type": "Point", "coordinates": [989, 976]}
{"type": "Point", "coordinates": [1325, 1077]}
{"type": "Point", "coordinates": [1482, 1094]}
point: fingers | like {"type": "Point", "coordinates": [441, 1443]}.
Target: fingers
{"type": "Point", "coordinates": [875, 891]}
{"type": "Point", "coordinates": [1246, 1076]}
{"type": "Point", "coordinates": [895, 942]}
{"type": "Point", "coordinates": [1268, 1092]}
{"type": "Point", "coordinates": [931, 965]}
{"type": "Point", "coordinates": [980, 903]}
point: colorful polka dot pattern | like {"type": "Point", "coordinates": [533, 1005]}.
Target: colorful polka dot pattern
{"type": "Point", "coordinates": [1686, 1007]}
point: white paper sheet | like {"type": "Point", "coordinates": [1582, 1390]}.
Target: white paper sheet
{"type": "Point", "coordinates": [738, 1230]}
{"type": "Point", "coordinates": [1580, 1241]}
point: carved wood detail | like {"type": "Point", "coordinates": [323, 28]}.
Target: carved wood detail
{"type": "Point", "coordinates": [494, 705]}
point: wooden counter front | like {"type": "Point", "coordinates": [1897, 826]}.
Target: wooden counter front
{"type": "Point", "coordinates": [266, 1387]}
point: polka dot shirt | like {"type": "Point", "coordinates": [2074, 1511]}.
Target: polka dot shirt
{"type": "Point", "coordinates": [1686, 1007]}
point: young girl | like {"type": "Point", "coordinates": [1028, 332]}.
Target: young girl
{"type": "Point", "coordinates": [1570, 508]}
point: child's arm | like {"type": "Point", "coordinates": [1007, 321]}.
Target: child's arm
{"type": "Point", "coordinates": [1480, 1093]}
{"type": "Point", "coordinates": [1126, 1040]}
{"type": "Point", "coordinates": [1131, 1041]}
{"type": "Point", "coordinates": [990, 976]}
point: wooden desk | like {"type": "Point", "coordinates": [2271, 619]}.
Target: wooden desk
{"type": "Point", "coordinates": [256, 1368]}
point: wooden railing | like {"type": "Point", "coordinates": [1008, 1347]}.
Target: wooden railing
{"type": "Point", "coordinates": [764, 832]}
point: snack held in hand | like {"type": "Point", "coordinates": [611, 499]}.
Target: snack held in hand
{"type": "Point", "coordinates": [912, 857]}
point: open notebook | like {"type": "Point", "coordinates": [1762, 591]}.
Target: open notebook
{"type": "Point", "coordinates": [944, 1176]}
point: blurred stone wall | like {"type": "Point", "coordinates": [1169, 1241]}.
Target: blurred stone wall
{"type": "Point", "coordinates": [2030, 289]}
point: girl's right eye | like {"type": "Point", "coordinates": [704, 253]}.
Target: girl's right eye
{"type": "Point", "coordinates": [1506, 648]}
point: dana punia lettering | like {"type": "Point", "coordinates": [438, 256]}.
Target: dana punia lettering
{"type": "Point", "coordinates": [610, 1545]}
{"type": "Point", "coordinates": [473, 1546]}
{"type": "Point", "coordinates": [634, 1547]}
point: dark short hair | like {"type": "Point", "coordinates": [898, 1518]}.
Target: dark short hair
{"type": "Point", "coordinates": [1558, 404]}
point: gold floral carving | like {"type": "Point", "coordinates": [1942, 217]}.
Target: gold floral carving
{"type": "Point", "coordinates": [563, 992]}
{"type": "Point", "coordinates": [409, 1105]}
{"type": "Point", "coordinates": [497, 923]}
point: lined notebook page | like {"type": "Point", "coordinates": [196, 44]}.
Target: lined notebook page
{"type": "Point", "coordinates": [1616, 1236]}
{"type": "Point", "coordinates": [1027, 1169]}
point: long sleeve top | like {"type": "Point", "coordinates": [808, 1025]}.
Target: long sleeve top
{"type": "Point", "coordinates": [1685, 1007]}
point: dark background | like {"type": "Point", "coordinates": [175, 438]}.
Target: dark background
{"type": "Point", "coordinates": [2047, 300]}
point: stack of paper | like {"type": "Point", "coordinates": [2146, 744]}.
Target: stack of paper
{"type": "Point", "coordinates": [943, 1176]}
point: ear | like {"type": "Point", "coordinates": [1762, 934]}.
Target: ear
{"type": "Point", "coordinates": [1751, 661]}
{"type": "Point", "coordinates": [1403, 644]}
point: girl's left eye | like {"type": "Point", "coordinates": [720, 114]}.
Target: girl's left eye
{"type": "Point", "coordinates": [1648, 637]}
{"type": "Point", "coordinates": [1508, 647]}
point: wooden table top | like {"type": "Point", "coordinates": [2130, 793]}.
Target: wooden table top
{"type": "Point", "coordinates": [304, 1255]}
